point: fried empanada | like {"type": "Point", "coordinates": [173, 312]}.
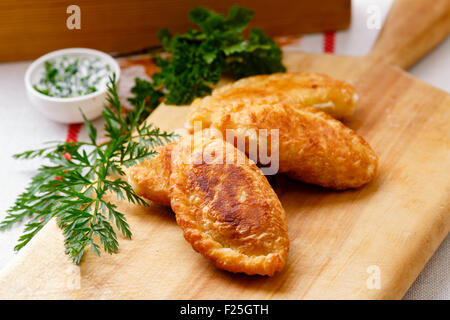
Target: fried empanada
{"type": "Point", "coordinates": [226, 207]}
{"type": "Point", "coordinates": [332, 96]}
{"type": "Point", "coordinates": [313, 147]}
{"type": "Point", "coordinates": [150, 178]}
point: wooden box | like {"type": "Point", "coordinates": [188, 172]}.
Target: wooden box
{"type": "Point", "coordinates": [30, 28]}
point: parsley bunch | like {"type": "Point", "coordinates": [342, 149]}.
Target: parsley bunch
{"type": "Point", "coordinates": [74, 187]}
{"type": "Point", "coordinates": [198, 58]}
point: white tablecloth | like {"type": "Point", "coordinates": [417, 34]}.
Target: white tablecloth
{"type": "Point", "coordinates": [22, 128]}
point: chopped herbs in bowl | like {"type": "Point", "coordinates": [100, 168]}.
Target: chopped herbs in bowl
{"type": "Point", "coordinates": [73, 76]}
{"type": "Point", "coordinates": [63, 82]}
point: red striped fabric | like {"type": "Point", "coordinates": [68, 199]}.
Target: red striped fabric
{"type": "Point", "coordinates": [72, 132]}
{"type": "Point", "coordinates": [72, 136]}
{"type": "Point", "coordinates": [328, 42]}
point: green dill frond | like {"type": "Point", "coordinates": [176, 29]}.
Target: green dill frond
{"type": "Point", "coordinates": [73, 189]}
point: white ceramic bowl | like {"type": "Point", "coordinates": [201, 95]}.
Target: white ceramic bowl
{"type": "Point", "coordinates": [67, 110]}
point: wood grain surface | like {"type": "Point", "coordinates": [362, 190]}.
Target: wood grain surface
{"type": "Point", "coordinates": [30, 28]}
{"type": "Point", "coordinates": [395, 223]}
{"type": "Point", "coordinates": [412, 28]}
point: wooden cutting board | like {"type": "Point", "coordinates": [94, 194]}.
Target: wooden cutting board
{"type": "Point", "coordinates": [340, 241]}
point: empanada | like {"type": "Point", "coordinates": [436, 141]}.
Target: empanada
{"type": "Point", "coordinates": [300, 89]}
{"type": "Point", "coordinates": [226, 208]}
{"type": "Point", "coordinates": [150, 178]}
{"type": "Point", "coordinates": [313, 147]}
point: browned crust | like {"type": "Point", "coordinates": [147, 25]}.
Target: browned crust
{"type": "Point", "coordinates": [313, 146]}
{"type": "Point", "coordinates": [228, 212]}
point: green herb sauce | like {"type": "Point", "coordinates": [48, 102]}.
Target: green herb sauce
{"type": "Point", "coordinates": [73, 76]}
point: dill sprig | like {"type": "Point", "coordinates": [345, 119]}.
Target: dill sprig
{"type": "Point", "coordinates": [74, 186]}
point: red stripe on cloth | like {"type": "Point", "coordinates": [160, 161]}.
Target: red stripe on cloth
{"type": "Point", "coordinates": [72, 136]}
{"type": "Point", "coordinates": [328, 42]}
{"type": "Point", "coordinates": [72, 132]}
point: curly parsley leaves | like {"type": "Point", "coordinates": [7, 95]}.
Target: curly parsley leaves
{"type": "Point", "coordinates": [198, 58]}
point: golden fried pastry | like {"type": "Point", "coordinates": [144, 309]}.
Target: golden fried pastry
{"type": "Point", "coordinates": [150, 178]}
{"type": "Point", "coordinates": [226, 208]}
{"type": "Point", "coordinates": [313, 147]}
{"type": "Point", "coordinates": [334, 97]}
